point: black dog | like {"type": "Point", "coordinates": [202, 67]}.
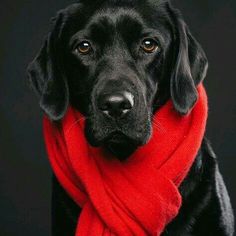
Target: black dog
{"type": "Point", "coordinates": [117, 62]}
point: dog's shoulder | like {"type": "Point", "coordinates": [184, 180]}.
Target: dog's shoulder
{"type": "Point", "coordinates": [206, 208]}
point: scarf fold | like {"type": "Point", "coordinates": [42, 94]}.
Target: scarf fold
{"type": "Point", "coordinates": [136, 197]}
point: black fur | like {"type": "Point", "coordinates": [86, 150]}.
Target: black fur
{"type": "Point", "coordinates": [117, 64]}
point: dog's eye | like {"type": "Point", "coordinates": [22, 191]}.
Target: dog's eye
{"type": "Point", "coordinates": [149, 45]}
{"type": "Point", "coordinates": [83, 48]}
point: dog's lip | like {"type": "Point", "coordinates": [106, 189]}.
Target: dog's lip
{"type": "Point", "coordinates": [117, 141]}
{"type": "Point", "coordinates": [118, 137]}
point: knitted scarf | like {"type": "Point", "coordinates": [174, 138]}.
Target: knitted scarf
{"type": "Point", "coordinates": [138, 196]}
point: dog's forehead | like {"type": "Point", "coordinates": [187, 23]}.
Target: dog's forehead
{"type": "Point", "coordinates": [116, 19]}
{"type": "Point", "coordinates": [116, 14]}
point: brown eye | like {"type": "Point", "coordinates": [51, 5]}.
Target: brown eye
{"type": "Point", "coordinates": [83, 48]}
{"type": "Point", "coordinates": [149, 45]}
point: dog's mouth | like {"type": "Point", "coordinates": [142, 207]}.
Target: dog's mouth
{"type": "Point", "coordinates": [120, 145]}
{"type": "Point", "coordinates": [120, 139]}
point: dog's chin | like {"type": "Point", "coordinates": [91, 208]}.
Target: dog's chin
{"type": "Point", "coordinates": [120, 145]}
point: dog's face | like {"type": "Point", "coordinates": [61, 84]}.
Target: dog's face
{"type": "Point", "coordinates": [117, 62]}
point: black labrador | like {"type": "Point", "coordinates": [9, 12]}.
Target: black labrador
{"type": "Point", "coordinates": [117, 62]}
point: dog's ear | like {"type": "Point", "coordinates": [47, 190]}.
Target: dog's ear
{"type": "Point", "coordinates": [189, 65]}
{"type": "Point", "coordinates": [46, 73]}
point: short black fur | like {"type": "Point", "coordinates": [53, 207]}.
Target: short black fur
{"type": "Point", "coordinates": [118, 87]}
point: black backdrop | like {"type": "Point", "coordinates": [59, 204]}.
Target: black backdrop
{"type": "Point", "coordinates": [24, 170]}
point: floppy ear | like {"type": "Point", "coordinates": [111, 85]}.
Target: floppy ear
{"type": "Point", "coordinates": [189, 65]}
{"type": "Point", "coordinates": [46, 74]}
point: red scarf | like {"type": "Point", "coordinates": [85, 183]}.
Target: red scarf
{"type": "Point", "coordinates": [136, 197]}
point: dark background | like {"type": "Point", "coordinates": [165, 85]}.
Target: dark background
{"type": "Point", "coordinates": [25, 185]}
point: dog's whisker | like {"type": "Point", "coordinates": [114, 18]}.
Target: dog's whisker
{"type": "Point", "coordinates": [156, 126]}
{"type": "Point", "coordinates": [156, 123]}
{"type": "Point", "coordinates": [73, 125]}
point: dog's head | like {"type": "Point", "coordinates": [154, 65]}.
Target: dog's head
{"type": "Point", "coordinates": [117, 62]}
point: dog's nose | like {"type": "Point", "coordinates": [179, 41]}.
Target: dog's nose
{"type": "Point", "coordinates": [116, 105]}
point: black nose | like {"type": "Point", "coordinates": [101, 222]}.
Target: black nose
{"type": "Point", "coordinates": [116, 105]}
